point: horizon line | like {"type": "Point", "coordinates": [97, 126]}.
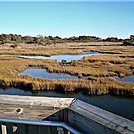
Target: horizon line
{"type": "Point", "coordinates": [68, 36]}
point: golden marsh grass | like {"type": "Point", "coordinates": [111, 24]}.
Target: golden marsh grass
{"type": "Point", "coordinates": [100, 69]}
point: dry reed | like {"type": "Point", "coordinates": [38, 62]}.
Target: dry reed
{"type": "Point", "coordinates": [99, 68]}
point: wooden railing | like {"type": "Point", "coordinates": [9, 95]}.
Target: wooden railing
{"type": "Point", "coordinates": [61, 127]}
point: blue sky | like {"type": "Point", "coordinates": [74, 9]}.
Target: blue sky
{"type": "Point", "coordinates": [65, 19]}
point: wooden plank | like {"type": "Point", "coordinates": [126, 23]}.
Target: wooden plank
{"type": "Point", "coordinates": [85, 114]}
{"type": "Point", "coordinates": [36, 101]}
{"type": "Point", "coordinates": [29, 112]}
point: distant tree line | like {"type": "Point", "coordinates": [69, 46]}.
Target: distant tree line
{"type": "Point", "coordinates": [129, 42]}
{"type": "Point", "coordinates": [39, 39]}
{"type": "Point", "coordinates": [47, 40]}
{"type": "Point", "coordinates": [14, 38]}
{"type": "Point", "coordinates": [113, 39]}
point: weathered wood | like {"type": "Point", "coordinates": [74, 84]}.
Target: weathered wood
{"type": "Point", "coordinates": [3, 128]}
{"type": "Point", "coordinates": [36, 101]}
{"type": "Point", "coordinates": [31, 113]}
{"type": "Point", "coordinates": [92, 119]}
{"type": "Point", "coordinates": [32, 108]}
{"type": "Point", "coordinates": [80, 115]}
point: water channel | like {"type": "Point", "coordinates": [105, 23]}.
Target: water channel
{"type": "Point", "coordinates": [36, 72]}
{"type": "Point", "coordinates": [66, 57]}
{"type": "Point", "coordinates": [125, 79]}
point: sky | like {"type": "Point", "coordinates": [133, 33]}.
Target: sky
{"type": "Point", "coordinates": [67, 18]}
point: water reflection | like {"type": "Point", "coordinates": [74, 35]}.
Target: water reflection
{"type": "Point", "coordinates": [119, 105]}
{"type": "Point", "coordinates": [36, 72]}
{"type": "Point", "coordinates": [66, 57]}
{"type": "Point", "coordinates": [125, 79]}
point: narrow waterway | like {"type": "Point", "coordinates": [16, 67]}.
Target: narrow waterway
{"type": "Point", "coordinates": [66, 57]}
{"type": "Point", "coordinates": [125, 79]}
{"type": "Point", "coordinates": [42, 73]}
{"type": "Point", "coordinates": [122, 106]}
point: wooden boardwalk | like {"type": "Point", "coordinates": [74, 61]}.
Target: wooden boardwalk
{"type": "Point", "coordinates": [78, 115]}
{"type": "Point", "coordinates": [31, 108]}
{"type": "Point", "coordinates": [26, 111]}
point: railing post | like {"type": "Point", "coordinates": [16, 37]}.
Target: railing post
{"type": "Point", "coordinates": [3, 128]}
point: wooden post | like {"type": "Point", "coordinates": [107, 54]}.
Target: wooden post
{"type": "Point", "coordinates": [3, 128]}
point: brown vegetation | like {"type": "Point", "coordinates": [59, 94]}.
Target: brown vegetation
{"type": "Point", "coordinates": [40, 39]}
{"type": "Point", "coordinates": [100, 69]}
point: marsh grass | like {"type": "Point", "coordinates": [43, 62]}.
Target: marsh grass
{"type": "Point", "coordinates": [100, 69]}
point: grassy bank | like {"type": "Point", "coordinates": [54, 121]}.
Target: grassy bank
{"type": "Point", "coordinates": [62, 48]}
{"type": "Point", "coordinates": [100, 69]}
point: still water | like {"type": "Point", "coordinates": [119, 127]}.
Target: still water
{"type": "Point", "coordinates": [119, 105]}
{"type": "Point", "coordinates": [66, 57]}
{"type": "Point", "coordinates": [125, 79]}
{"type": "Point", "coordinates": [36, 72]}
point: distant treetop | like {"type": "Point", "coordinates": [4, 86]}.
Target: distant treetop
{"type": "Point", "coordinates": [41, 40]}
